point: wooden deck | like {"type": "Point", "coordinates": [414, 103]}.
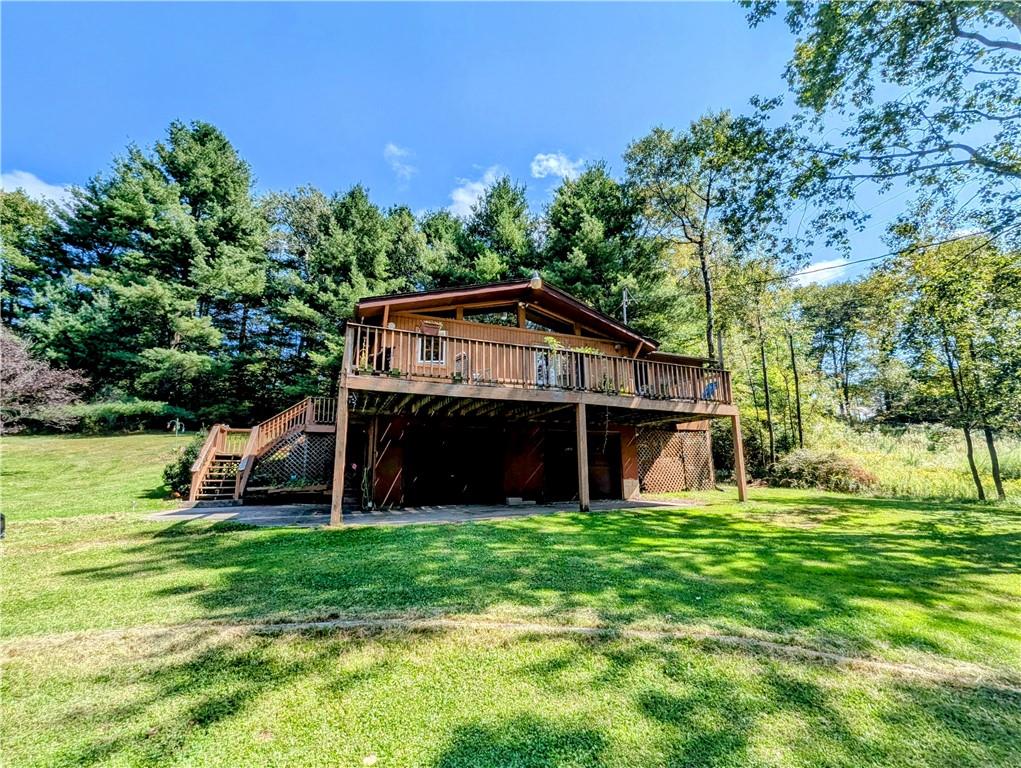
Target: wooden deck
{"type": "Point", "coordinates": [399, 360]}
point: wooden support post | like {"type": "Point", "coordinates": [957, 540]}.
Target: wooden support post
{"type": "Point", "coordinates": [339, 458]}
{"type": "Point", "coordinates": [742, 487]}
{"type": "Point", "coordinates": [583, 494]}
{"type": "Point", "coordinates": [373, 439]}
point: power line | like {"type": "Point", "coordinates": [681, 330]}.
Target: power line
{"type": "Point", "coordinates": [900, 252]}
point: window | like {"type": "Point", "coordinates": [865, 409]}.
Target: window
{"type": "Point", "coordinates": [432, 350]}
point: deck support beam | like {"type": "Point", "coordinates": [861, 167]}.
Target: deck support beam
{"type": "Point", "coordinates": [582, 425]}
{"type": "Point", "coordinates": [339, 458]}
{"type": "Point", "coordinates": [739, 476]}
{"type": "Point", "coordinates": [373, 442]}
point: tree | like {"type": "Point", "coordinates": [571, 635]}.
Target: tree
{"type": "Point", "coordinates": [932, 94]}
{"type": "Point", "coordinates": [499, 233]}
{"type": "Point", "coordinates": [962, 329]}
{"type": "Point", "coordinates": [595, 249]}
{"type": "Point", "coordinates": [445, 260]}
{"type": "Point", "coordinates": [717, 189]}
{"type": "Point", "coordinates": [31, 389]}
{"type": "Point", "coordinates": [835, 315]}
{"type": "Point", "coordinates": [169, 252]}
{"type": "Point", "coordinates": [30, 256]}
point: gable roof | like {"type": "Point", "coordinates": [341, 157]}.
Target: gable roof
{"type": "Point", "coordinates": [530, 291]}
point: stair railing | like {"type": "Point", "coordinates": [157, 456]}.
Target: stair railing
{"type": "Point", "coordinates": [247, 461]}
{"type": "Point", "coordinates": [213, 443]}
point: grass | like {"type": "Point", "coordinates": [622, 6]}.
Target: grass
{"type": "Point", "coordinates": [64, 476]}
{"type": "Point", "coordinates": [923, 461]}
{"type": "Point", "coordinates": [124, 641]}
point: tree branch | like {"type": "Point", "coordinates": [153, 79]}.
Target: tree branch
{"type": "Point", "coordinates": [979, 38]}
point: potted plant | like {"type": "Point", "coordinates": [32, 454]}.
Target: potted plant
{"type": "Point", "coordinates": [363, 366]}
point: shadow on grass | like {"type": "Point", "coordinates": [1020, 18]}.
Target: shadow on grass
{"type": "Point", "coordinates": [756, 569]}
{"type": "Point", "coordinates": [597, 701]}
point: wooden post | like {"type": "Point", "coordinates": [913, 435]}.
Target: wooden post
{"type": "Point", "coordinates": [370, 464]}
{"type": "Point", "coordinates": [742, 488]}
{"type": "Point", "coordinates": [339, 458]}
{"type": "Point", "coordinates": [583, 494]}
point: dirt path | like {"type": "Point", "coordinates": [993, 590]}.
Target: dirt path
{"type": "Point", "coordinates": [944, 671]}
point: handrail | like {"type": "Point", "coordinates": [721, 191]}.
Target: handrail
{"type": "Point", "coordinates": [398, 353]}
{"type": "Point", "coordinates": [311, 410]}
{"type": "Point", "coordinates": [219, 440]}
{"type": "Point", "coordinates": [246, 463]}
{"type": "Point", "coordinates": [206, 452]}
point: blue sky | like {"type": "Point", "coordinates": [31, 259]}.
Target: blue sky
{"type": "Point", "coordinates": [421, 103]}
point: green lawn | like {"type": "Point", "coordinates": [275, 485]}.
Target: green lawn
{"type": "Point", "coordinates": [46, 476]}
{"type": "Point", "coordinates": [124, 641]}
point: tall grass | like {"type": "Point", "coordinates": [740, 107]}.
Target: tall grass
{"type": "Point", "coordinates": [926, 461]}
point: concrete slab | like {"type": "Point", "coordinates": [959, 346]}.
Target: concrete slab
{"type": "Point", "coordinates": [314, 515]}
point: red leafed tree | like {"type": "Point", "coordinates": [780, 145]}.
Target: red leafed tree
{"type": "Point", "coordinates": [32, 390]}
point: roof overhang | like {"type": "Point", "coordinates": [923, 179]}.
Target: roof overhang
{"type": "Point", "coordinates": [533, 291]}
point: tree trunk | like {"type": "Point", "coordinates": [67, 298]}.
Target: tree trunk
{"type": "Point", "coordinates": [797, 391]}
{"type": "Point", "coordinates": [845, 382]}
{"type": "Point", "coordinates": [994, 459]}
{"type": "Point", "coordinates": [994, 462]}
{"type": "Point", "coordinates": [765, 387]}
{"type": "Point", "coordinates": [962, 407]}
{"type": "Point", "coordinates": [707, 284]}
{"type": "Point", "coordinates": [971, 463]}
{"type": "Point", "coordinates": [243, 333]}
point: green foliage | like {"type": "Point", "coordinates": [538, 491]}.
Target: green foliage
{"type": "Point", "coordinates": [918, 460]}
{"type": "Point", "coordinates": [930, 94]}
{"type": "Point", "coordinates": [827, 471]}
{"type": "Point", "coordinates": [124, 414]}
{"type": "Point", "coordinates": [177, 472]}
{"type": "Point", "coordinates": [26, 250]}
{"type": "Point", "coordinates": [499, 238]}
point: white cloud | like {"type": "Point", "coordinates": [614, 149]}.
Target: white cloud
{"type": "Point", "coordinates": [397, 158]}
{"type": "Point", "coordinates": [821, 272]}
{"type": "Point", "coordinates": [464, 196]}
{"type": "Point", "coordinates": [555, 164]}
{"type": "Point", "coordinates": [35, 187]}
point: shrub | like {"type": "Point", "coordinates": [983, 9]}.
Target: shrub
{"type": "Point", "coordinates": [126, 414]}
{"type": "Point", "coordinates": [827, 470]}
{"type": "Point", "coordinates": [177, 474]}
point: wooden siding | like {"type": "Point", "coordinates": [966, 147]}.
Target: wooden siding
{"type": "Point", "coordinates": [506, 334]}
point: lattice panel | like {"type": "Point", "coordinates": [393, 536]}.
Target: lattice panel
{"type": "Point", "coordinates": [301, 460]}
{"type": "Point", "coordinates": [673, 461]}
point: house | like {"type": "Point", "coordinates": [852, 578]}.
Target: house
{"type": "Point", "coordinates": [499, 393]}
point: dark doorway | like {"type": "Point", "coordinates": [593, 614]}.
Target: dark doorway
{"type": "Point", "coordinates": [355, 467]}
{"type": "Point", "coordinates": [453, 464]}
{"type": "Point", "coordinates": [561, 471]}
{"type": "Point", "coordinates": [604, 464]}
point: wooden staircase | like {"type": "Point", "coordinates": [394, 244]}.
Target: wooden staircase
{"type": "Point", "coordinates": [225, 462]}
{"type": "Point", "coordinates": [220, 478]}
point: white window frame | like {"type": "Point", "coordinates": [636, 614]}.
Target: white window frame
{"type": "Point", "coordinates": [441, 348]}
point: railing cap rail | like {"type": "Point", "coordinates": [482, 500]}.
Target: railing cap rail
{"type": "Point", "coordinates": [533, 347]}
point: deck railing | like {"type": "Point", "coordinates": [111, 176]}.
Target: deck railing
{"type": "Point", "coordinates": [221, 439]}
{"type": "Point", "coordinates": [375, 351]}
{"type": "Point", "coordinates": [310, 411]}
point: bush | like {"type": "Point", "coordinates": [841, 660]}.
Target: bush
{"type": "Point", "coordinates": [826, 470]}
{"type": "Point", "coordinates": [127, 414]}
{"type": "Point", "coordinates": [177, 474]}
